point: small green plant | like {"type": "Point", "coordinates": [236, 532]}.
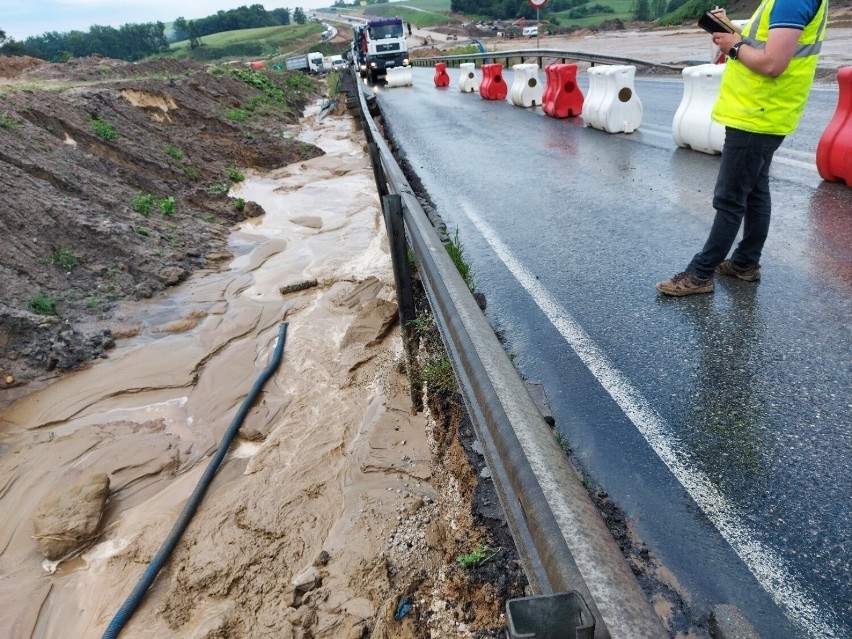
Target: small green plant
{"type": "Point", "coordinates": [209, 218]}
{"type": "Point", "coordinates": [239, 204]}
{"type": "Point", "coordinates": [112, 271]}
{"type": "Point", "coordinates": [421, 324]}
{"type": "Point", "coordinates": [216, 71]}
{"type": "Point", "coordinates": [438, 374]}
{"type": "Point", "coordinates": [237, 115]}
{"type": "Point", "coordinates": [42, 304]}
{"type": "Point", "coordinates": [103, 129]}
{"type": "Point", "coordinates": [174, 152]}
{"type": "Point", "coordinates": [480, 555]}
{"type": "Point", "coordinates": [191, 172]}
{"type": "Point", "coordinates": [456, 251]}
{"type": "Point", "coordinates": [235, 175]}
{"type": "Point", "coordinates": [219, 188]}
{"type": "Point", "coordinates": [167, 205]}
{"type": "Point", "coordinates": [143, 231]}
{"type": "Point", "coordinates": [563, 442]}
{"type": "Point", "coordinates": [65, 259]}
{"type": "Point", "coordinates": [143, 203]}
{"type": "Point", "coordinates": [412, 264]}
{"type": "Point", "coordinates": [7, 122]}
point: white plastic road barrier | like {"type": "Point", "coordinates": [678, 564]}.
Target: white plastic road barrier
{"type": "Point", "coordinates": [527, 91]}
{"type": "Point", "coordinates": [468, 81]}
{"type": "Point", "coordinates": [692, 125]}
{"type": "Point", "coordinates": [399, 77]}
{"type": "Point", "coordinates": [612, 104]}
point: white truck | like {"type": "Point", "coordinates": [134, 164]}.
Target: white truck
{"type": "Point", "coordinates": [379, 45]}
{"type": "Point", "coordinates": [307, 62]}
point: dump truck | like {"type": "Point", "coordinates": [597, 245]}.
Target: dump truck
{"type": "Point", "coordinates": [307, 62]}
{"type": "Point", "coordinates": [379, 45]}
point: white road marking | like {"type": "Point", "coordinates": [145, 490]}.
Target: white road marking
{"type": "Point", "coordinates": [768, 568]}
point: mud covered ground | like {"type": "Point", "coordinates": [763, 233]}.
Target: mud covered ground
{"type": "Point", "coordinates": [338, 512]}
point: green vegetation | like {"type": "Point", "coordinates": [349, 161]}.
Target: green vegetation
{"type": "Point", "coordinates": [235, 175]}
{"type": "Point", "coordinates": [437, 373]}
{"type": "Point", "coordinates": [174, 152]}
{"type": "Point", "coordinates": [456, 251]}
{"type": "Point", "coordinates": [191, 172]}
{"type": "Point", "coordinates": [7, 122]}
{"type": "Point", "coordinates": [144, 231]}
{"type": "Point", "coordinates": [239, 204]}
{"type": "Point", "coordinates": [480, 555]}
{"type": "Point", "coordinates": [219, 189]}
{"type": "Point", "coordinates": [103, 129]}
{"type": "Point", "coordinates": [42, 304]}
{"type": "Point", "coordinates": [143, 203]}
{"type": "Point", "coordinates": [168, 206]}
{"type": "Point", "coordinates": [249, 43]}
{"type": "Point", "coordinates": [563, 442]}
{"type": "Point", "coordinates": [237, 115]}
{"type": "Point", "coordinates": [65, 259]}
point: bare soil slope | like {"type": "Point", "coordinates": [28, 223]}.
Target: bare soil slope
{"type": "Point", "coordinates": [79, 142]}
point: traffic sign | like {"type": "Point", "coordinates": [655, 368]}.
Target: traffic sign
{"type": "Point", "coordinates": [538, 4]}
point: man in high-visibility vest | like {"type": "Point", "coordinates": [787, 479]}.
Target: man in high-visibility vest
{"type": "Point", "coordinates": [768, 76]}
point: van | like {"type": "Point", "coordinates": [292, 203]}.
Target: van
{"type": "Point", "coordinates": [338, 63]}
{"type": "Point", "coordinates": [530, 32]}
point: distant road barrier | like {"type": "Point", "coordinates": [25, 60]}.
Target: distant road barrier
{"type": "Point", "coordinates": [542, 57]}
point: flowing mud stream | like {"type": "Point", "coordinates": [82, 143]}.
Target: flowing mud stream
{"type": "Point", "coordinates": [318, 476]}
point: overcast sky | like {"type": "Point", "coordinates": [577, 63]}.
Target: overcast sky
{"type": "Point", "coordinates": [23, 18]}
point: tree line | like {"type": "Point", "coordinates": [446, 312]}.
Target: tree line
{"type": "Point", "coordinates": [135, 41]}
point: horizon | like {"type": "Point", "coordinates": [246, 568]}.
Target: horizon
{"type": "Point", "coordinates": [23, 20]}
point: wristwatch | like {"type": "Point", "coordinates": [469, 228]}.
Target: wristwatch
{"type": "Point", "coordinates": [734, 51]}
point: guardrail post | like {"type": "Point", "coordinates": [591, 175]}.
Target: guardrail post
{"type": "Point", "coordinates": [392, 208]}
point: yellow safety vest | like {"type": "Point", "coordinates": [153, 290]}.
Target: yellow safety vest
{"type": "Point", "coordinates": [752, 102]}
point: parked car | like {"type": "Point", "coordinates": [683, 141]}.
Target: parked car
{"type": "Point", "coordinates": [530, 32]}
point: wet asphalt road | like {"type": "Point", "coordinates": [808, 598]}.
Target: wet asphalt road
{"type": "Point", "coordinates": [719, 423]}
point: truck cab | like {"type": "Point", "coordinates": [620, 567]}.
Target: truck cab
{"type": "Point", "coordinates": [381, 45]}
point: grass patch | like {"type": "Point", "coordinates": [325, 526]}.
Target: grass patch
{"type": "Point", "coordinates": [144, 231]}
{"type": "Point", "coordinates": [237, 115]}
{"type": "Point", "coordinates": [103, 129]}
{"type": "Point", "coordinates": [456, 251]}
{"type": "Point", "coordinates": [65, 259]}
{"type": "Point", "coordinates": [239, 204]}
{"type": "Point", "coordinates": [168, 206]}
{"type": "Point", "coordinates": [437, 373]}
{"type": "Point", "coordinates": [43, 304]}
{"type": "Point", "coordinates": [6, 122]}
{"type": "Point", "coordinates": [143, 203]}
{"type": "Point", "coordinates": [191, 172]}
{"type": "Point", "coordinates": [563, 442]}
{"type": "Point", "coordinates": [235, 175]}
{"type": "Point", "coordinates": [219, 188]}
{"type": "Point", "coordinates": [174, 152]}
{"type": "Point", "coordinates": [478, 556]}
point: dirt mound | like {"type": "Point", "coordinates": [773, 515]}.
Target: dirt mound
{"type": "Point", "coordinates": [12, 67]}
{"type": "Point", "coordinates": [118, 189]}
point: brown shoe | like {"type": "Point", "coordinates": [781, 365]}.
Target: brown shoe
{"type": "Point", "coordinates": [686, 284]}
{"type": "Point", "coordinates": [742, 270]}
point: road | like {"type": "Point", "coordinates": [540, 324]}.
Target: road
{"type": "Point", "coordinates": [720, 423]}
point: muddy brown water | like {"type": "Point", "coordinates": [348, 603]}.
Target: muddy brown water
{"type": "Point", "coordinates": [330, 438]}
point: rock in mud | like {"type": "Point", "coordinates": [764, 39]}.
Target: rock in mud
{"type": "Point", "coordinates": [371, 323]}
{"type": "Point", "coordinates": [68, 519]}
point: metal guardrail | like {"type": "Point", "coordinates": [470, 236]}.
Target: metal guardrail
{"type": "Point", "coordinates": [541, 55]}
{"type": "Point", "coordinates": [561, 538]}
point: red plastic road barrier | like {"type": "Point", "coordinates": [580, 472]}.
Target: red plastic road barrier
{"type": "Point", "coordinates": [562, 97]}
{"type": "Point", "coordinates": [493, 86]}
{"type": "Point", "coordinates": [441, 77]}
{"type": "Point", "coordinates": [256, 65]}
{"type": "Point", "coordinates": [834, 152]}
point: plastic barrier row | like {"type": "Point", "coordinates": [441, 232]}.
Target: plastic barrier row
{"type": "Point", "coordinates": [612, 104]}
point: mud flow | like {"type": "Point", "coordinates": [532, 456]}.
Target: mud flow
{"type": "Point", "coordinates": [302, 499]}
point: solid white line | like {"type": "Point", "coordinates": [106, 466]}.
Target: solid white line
{"type": "Point", "coordinates": [764, 564]}
{"type": "Point", "coordinates": [796, 163]}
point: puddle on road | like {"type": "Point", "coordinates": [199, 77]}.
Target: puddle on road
{"type": "Point", "coordinates": [150, 415]}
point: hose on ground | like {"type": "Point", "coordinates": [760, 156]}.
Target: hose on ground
{"type": "Point", "coordinates": [135, 598]}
